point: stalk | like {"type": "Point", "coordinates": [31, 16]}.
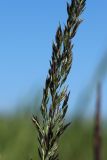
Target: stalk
{"type": "Point", "coordinates": [97, 128]}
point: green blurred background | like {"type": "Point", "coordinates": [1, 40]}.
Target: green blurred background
{"type": "Point", "coordinates": [18, 136]}
{"type": "Point", "coordinates": [18, 140]}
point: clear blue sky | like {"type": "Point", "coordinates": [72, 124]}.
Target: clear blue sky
{"type": "Point", "coordinates": [27, 29]}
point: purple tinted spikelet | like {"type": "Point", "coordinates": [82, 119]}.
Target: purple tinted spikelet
{"type": "Point", "coordinates": [55, 95]}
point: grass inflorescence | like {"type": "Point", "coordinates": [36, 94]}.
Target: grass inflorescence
{"type": "Point", "coordinates": [55, 94]}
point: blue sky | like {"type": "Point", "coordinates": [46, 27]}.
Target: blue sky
{"type": "Point", "coordinates": [27, 29]}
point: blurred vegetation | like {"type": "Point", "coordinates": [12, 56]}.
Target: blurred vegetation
{"type": "Point", "coordinates": [18, 140]}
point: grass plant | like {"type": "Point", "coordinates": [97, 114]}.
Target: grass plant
{"type": "Point", "coordinates": [55, 94]}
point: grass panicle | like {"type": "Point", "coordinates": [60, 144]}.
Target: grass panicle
{"type": "Point", "coordinates": [55, 94]}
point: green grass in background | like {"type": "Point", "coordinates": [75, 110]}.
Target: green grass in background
{"type": "Point", "coordinates": [18, 140]}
